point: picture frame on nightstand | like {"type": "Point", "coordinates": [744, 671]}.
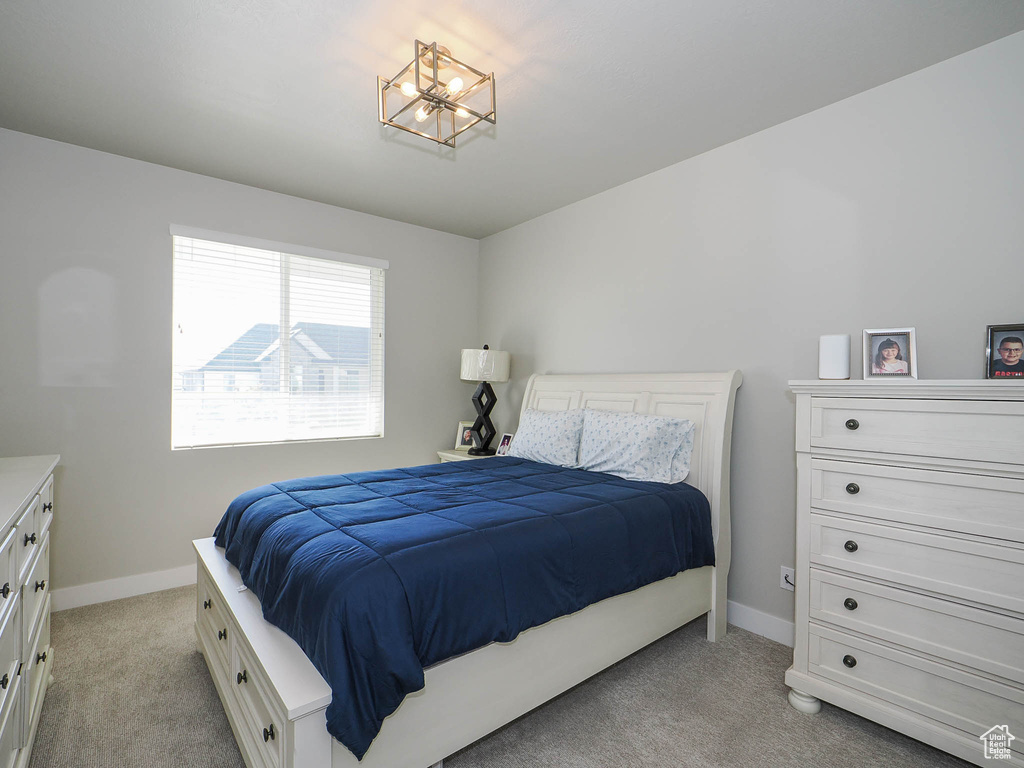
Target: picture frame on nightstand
{"type": "Point", "coordinates": [503, 446]}
{"type": "Point", "coordinates": [464, 436]}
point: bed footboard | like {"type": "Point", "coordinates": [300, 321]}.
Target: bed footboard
{"type": "Point", "coordinates": [273, 696]}
{"type": "Point", "coordinates": [276, 700]}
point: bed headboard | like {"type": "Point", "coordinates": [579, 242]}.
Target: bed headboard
{"type": "Point", "coordinates": [707, 399]}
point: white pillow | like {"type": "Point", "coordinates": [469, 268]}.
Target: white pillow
{"type": "Point", "coordinates": [551, 437]}
{"type": "Point", "coordinates": [636, 446]}
{"type": "Point", "coordinates": [681, 459]}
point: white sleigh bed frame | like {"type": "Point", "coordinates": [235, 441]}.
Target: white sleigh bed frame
{"type": "Point", "coordinates": [275, 699]}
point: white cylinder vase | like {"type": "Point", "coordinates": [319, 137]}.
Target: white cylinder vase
{"type": "Point", "coordinates": [834, 356]}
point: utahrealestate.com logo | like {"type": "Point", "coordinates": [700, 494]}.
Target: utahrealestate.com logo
{"type": "Point", "coordinates": [997, 742]}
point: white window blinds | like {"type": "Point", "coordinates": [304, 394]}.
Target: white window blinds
{"type": "Point", "coordinates": [270, 345]}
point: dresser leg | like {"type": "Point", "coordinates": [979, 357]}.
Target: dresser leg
{"type": "Point", "coordinates": [804, 703]}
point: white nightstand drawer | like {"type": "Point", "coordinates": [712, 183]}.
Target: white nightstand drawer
{"type": "Point", "coordinates": [966, 702]}
{"type": "Point", "coordinates": [984, 573]}
{"type": "Point", "coordinates": [976, 638]}
{"type": "Point", "coordinates": [453, 455]}
{"type": "Point", "coordinates": [976, 504]}
{"type": "Point", "coordinates": [954, 429]}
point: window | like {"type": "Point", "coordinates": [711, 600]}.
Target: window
{"type": "Point", "coordinates": [273, 343]}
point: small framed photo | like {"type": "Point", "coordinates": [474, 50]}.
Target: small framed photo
{"type": "Point", "coordinates": [1003, 355]}
{"type": "Point", "coordinates": [464, 437]}
{"type": "Point", "coordinates": [890, 353]}
{"type": "Point", "coordinates": [506, 441]}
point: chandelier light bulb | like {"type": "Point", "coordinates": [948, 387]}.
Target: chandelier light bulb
{"type": "Point", "coordinates": [454, 86]}
{"type": "Point", "coordinates": [460, 112]}
{"type": "Point", "coordinates": [408, 89]}
{"type": "Point", "coordinates": [421, 114]}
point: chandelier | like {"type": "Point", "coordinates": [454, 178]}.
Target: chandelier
{"type": "Point", "coordinates": [436, 96]}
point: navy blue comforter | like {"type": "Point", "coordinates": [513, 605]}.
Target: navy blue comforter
{"type": "Point", "coordinates": [377, 575]}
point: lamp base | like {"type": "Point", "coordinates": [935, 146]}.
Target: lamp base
{"type": "Point", "coordinates": [483, 429]}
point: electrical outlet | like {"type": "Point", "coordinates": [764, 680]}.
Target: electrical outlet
{"type": "Point", "coordinates": [786, 579]}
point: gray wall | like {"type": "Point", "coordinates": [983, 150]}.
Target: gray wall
{"type": "Point", "coordinates": [900, 206]}
{"type": "Point", "coordinates": [85, 312]}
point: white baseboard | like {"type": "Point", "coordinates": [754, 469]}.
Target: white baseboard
{"type": "Point", "coordinates": [760, 623]}
{"type": "Point", "coordinates": [128, 586]}
{"type": "Point", "coordinates": [742, 616]}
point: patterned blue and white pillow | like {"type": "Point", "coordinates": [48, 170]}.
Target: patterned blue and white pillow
{"type": "Point", "coordinates": [681, 459]}
{"type": "Point", "coordinates": [636, 446]}
{"type": "Point", "coordinates": [551, 437]}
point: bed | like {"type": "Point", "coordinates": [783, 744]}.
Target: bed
{"type": "Point", "coordinates": [276, 699]}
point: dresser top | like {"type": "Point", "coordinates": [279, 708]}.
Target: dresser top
{"type": "Point", "coordinates": [20, 479]}
{"type": "Point", "coordinates": [943, 389]}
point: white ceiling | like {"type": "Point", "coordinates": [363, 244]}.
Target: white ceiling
{"type": "Point", "coordinates": [281, 94]}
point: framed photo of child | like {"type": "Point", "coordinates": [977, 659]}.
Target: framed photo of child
{"type": "Point", "coordinates": [1003, 355]}
{"type": "Point", "coordinates": [506, 441]}
{"type": "Point", "coordinates": [464, 436]}
{"type": "Point", "coordinates": [890, 353]}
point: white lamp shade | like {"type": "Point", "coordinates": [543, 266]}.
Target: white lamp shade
{"type": "Point", "coordinates": [484, 365]}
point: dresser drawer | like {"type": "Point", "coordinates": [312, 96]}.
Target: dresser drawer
{"type": "Point", "coordinates": [11, 727]}
{"type": "Point", "coordinates": [27, 538]}
{"type": "Point", "coordinates": [266, 731]}
{"type": "Point", "coordinates": [975, 638]}
{"type": "Point", "coordinates": [958, 699]}
{"type": "Point", "coordinates": [984, 573]}
{"type": "Point", "coordinates": [976, 504]}
{"type": "Point", "coordinates": [10, 653]}
{"type": "Point", "coordinates": [45, 506]}
{"type": "Point", "coordinates": [35, 671]}
{"type": "Point", "coordinates": [952, 429]}
{"type": "Point", "coordinates": [36, 589]}
{"type": "Point", "coordinates": [8, 570]}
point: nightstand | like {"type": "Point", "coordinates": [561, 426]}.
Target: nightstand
{"type": "Point", "coordinates": [453, 455]}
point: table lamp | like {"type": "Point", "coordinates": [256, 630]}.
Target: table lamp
{"type": "Point", "coordinates": [484, 365]}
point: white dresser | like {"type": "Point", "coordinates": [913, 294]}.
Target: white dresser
{"type": "Point", "coordinates": [910, 558]}
{"type": "Point", "coordinates": [26, 658]}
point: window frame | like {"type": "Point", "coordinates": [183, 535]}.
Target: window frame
{"type": "Point", "coordinates": [377, 357]}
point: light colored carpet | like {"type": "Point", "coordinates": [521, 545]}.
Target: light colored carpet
{"type": "Point", "coordinates": [131, 691]}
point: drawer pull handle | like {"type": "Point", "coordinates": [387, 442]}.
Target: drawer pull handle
{"type": "Point", "coordinates": [850, 604]}
{"type": "Point", "coordinates": [852, 488]}
{"type": "Point", "coordinates": [40, 657]}
{"type": "Point", "coordinates": [222, 634]}
{"type": "Point", "coordinates": [48, 506]}
{"type": "Point", "coordinates": [268, 733]}
{"type": "Point", "coordinates": [849, 661]}
{"type": "Point", "coordinates": [6, 589]}
{"type": "Point", "coordinates": [206, 605]}
{"type": "Point", "coordinates": [40, 585]}
{"type": "Point", "coordinates": [242, 677]}
{"type": "Point", "coordinates": [4, 681]}
{"type": "Point", "coordinates": [852, 423]}
{"type": "Point", "coordinates": [850, 546]}
{"type": "Point", "coordinates": [30, 539]}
